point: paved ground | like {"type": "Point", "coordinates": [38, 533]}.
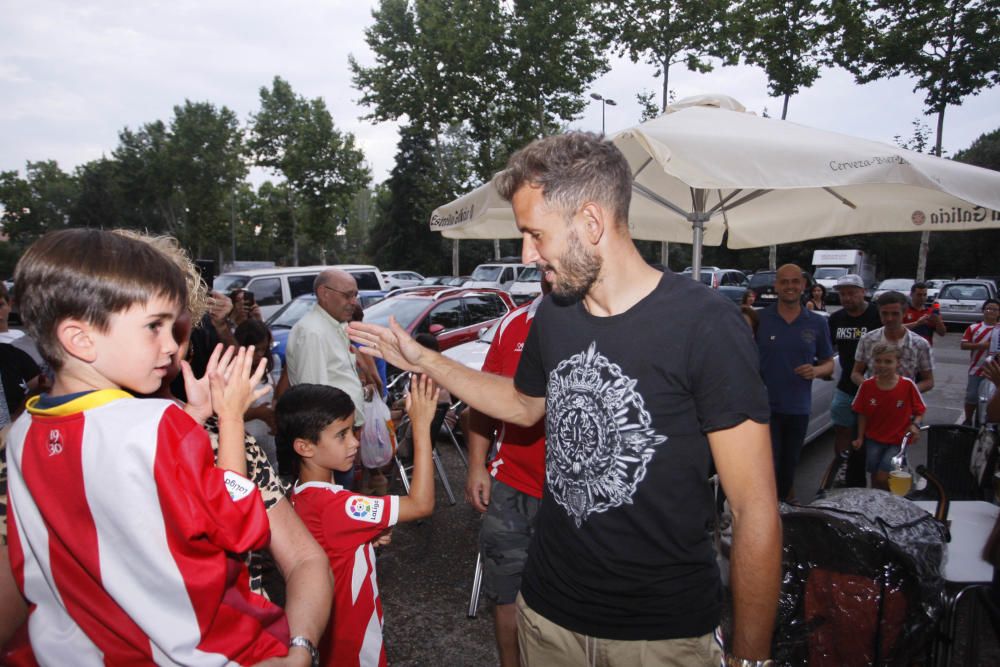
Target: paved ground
{"type": "Point", "coordinates": [426, 574]}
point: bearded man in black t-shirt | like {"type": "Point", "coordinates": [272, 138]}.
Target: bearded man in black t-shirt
{"type": "Point", "coordinates": [644, 378]}
{"type": "Point", "coordinates": [856, 318]}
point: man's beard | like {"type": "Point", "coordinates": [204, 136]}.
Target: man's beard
{"type": "Point", "coordinates": [578, 270]}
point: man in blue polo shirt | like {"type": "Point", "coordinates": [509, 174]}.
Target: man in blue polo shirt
{"type": "Point", "coordinates": [794, 347]}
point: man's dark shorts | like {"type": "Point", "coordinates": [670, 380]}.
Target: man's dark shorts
{"type": "Point", "coordinates": [503, 540]}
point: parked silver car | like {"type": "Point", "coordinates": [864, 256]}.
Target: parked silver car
{"type": "Point", "coordinates": [961, 301]}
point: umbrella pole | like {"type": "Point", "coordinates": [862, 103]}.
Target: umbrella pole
{"type": "Point", "coordinates": [698, 227]}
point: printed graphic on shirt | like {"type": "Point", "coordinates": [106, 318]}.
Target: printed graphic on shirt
{"type": "Point", "coordinates": [599, 435]}
{"type": "Point", "coordinates": [365, 508]}
{"type": "Point", "coordinates": [238, 487]}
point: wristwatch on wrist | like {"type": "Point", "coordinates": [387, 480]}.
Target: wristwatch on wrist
{"type": "Point", "coordinates": [744, 662]}
{"type": "Point", "coordinates": [303, 642]}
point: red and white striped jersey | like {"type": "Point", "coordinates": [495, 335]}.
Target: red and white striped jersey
{"type": "Point", "coordinates": [120, 528]}
{"type": "Point", "coordinates": [520, 458]}
{"type": "Point", "coordinates": [344, 523]}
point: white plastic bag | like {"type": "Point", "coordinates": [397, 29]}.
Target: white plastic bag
{"type": "Point", "coordinates": [378, 436]}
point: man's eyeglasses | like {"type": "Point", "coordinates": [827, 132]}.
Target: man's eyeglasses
{"type": "Point", "coordinates": [350, 296]}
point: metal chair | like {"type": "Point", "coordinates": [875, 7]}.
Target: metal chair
{"type": "Point", "coordinates": [949, 453]}
{"type": "Point", "coordinates": [403, 429]}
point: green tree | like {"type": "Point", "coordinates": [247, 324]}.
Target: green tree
{"type": "Point", "coordinates": [323, 169]}
{"type": "Point", "coordinates": [951, 48]}
{"type": "Point", "coordinates": [38, 203]}
{"type": "Point", "coordinates": [204, 154]}
{"type": "Point", "coordinates": [984, 151]}
{"type": "Point", "coordinates": [150, 200]}
{"type": "Point", "coordinates": [99, 202]}
{"type": "Point", "coordinates": [401, 236]}
{"type": "Point", "coordinates": [788, 39]}
{"type": "Point", "coordinates": [664, 33]}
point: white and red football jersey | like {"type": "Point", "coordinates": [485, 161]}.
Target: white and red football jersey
{"type": "Point", "coordinates": [120, 525]}
{"type": "Point", "coordinates": [344, 523]}
{"type": "Point", "coordinates": [520, 459]}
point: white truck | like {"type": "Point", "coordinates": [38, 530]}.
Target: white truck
{"type": "Point", "coordinates": [829, 265]}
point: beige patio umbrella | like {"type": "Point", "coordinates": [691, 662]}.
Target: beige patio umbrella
{"type": "Point", "coordinates": [708, 170]}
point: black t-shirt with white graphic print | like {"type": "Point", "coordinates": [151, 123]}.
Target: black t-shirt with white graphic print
{"type": "Point", "coordinates": [622, 547]}
{"type": "Point", "coordinates": [845, 332]}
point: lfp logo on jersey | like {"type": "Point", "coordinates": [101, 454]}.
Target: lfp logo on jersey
{"type": "Point", "coordinates": [364, 508]}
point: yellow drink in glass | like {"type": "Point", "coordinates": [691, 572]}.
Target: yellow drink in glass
{"type": "Point", "coordinates": [900, 482]}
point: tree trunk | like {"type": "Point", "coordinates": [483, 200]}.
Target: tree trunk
{"type": "Point", "coordinates": [666, 83]}
{"type": "Point", "coordinates": [772, 251]}
{"type": "Point", "coordinates": [925, 236]}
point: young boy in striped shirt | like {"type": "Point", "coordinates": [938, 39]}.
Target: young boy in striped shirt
{"type": "Point", "coordinates": [123, 532]}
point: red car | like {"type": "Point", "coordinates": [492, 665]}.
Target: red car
{"type": "Point", "coordinates": [455, 315]}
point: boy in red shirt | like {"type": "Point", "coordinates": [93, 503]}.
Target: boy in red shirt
{"type": "Point", "coordinates": [317, 423]}
{"type": "Point", "coordinates": [888, 406]}
{"type": "Point", "coordinates": [122, 529]}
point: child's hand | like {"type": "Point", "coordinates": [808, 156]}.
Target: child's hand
{"type": "Point", "coordinates": [199, 392]}
{"type": "Point", "coordinates": [383, 539]}
{"type": "Point", "coordinates": [856, 444]}
{"type": "Point", "coordinates": [235, 385]}
{"type": "Point", "coordinates": [421, 401]}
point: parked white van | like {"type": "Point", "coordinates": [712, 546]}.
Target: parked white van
{"type": "Point", "coordinates": [498, 275]}
{"type": "Point", "coordinates": [274, 287]}
{"type": "Point", "coordinates": [527, 286]}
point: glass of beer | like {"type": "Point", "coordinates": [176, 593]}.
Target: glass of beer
{"type": "Point", "coordinates": [900, 481]}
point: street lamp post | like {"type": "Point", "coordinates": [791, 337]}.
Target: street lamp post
{"type": "Point", "coordinates": [603, 100]}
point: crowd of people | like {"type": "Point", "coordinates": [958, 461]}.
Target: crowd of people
{"type": "Point", "coordinates": [170, 503]}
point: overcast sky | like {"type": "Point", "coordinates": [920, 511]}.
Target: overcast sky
{"type": "Point", "coordinates": [72, 74]}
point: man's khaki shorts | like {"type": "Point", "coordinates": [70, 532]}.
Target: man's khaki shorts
{"type": "Point", "coordinates": [542, 643]}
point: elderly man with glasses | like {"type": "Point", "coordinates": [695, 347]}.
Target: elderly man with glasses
{"type": "Point", "coordinates": [319, 351]}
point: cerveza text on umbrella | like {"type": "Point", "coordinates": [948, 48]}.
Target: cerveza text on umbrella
{"type": "Point", "coordinates": [869, 162]}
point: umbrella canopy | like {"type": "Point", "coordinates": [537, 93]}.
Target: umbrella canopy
{"type": "Point", "coordinates": [480, 214]}
{"type": "Point", "coordinates": [707, 168]}
{"type": "Point", "coordinates": [707, 162]}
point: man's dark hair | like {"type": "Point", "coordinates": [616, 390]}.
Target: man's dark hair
{"type": "Point", "coordinates": [917, 285]}
{"type": "Point", "coordinates": [303, 412]}
{"type": "Point", "coordinates": [890, 298]}
{"type": "Point", "coordinates": [571, 169]}
{"type": "Point", "coordinates": [988, 302]}
{"type": "Point", "coordinates": [90, 275]}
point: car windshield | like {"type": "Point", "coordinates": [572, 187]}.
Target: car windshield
{"type": "Point", "coordinates": [486, 273]}
{"type": "Point", "coordinates": [227, 282]}
{"type": "Point", "coordinates": [405, 309]}
{"type": "Point", "coordinates": [897, 284]}
{"type": "Point", "coordinates": [829, 272]}
{"type": "Point", "coordinates": [762, 279]}
{"type": "Point", "coordinates": [530, 275]}
{"type": "Point", "coordinates": [487, 336]}
{"type": "Point", "coordinates": [292, 313]}
{"type": "Point", "coordinates": [706, 276]}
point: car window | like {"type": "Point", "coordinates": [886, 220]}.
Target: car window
{"type": "Point", "coordinates": [762, 279]}
{"type": "Point", "coordinates": [299, 285]}
{"type": "Point", "coordinates": [530, 274]}
{"type": "Point", "coordinates": [449, 314]}
{"type": "Point", "coordinates": [405, 310]}
{"type": "Point", "coordinates": [484, 307]}
{"type": "Point", "coordinates": [228, 282]}
{"type": "Point", "coordinates": [367, 280]}
{"type": "Point", "coordinates": [976, 293]}
{"type": "Point", "coordinates": [266, 291]}
{"type": "Point", "coordinates": [486, 273]}
{"type": "Point", "coordinates": [290, 314]}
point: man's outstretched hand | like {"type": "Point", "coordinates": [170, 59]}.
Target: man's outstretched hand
{"type": "Point", "coordinates": [391, 343]}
